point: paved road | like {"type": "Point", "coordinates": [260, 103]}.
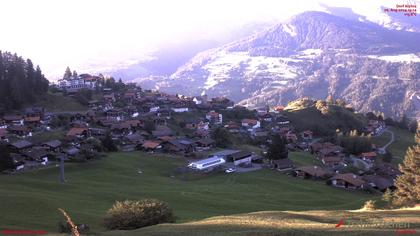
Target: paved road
{"type": "Point", "coordinates": [382, 149]}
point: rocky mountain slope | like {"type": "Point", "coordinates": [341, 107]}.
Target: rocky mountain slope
{"type": "Point", "coordinates": [311, 55]}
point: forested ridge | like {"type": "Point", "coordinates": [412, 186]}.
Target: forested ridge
{"type": "Point", "coordinates": [20, 81]}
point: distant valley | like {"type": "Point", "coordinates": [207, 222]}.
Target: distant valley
{"type": "Point", "coordinates": [314, 54]}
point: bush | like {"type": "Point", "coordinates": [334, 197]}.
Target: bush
{"type": "Point", "coordinates": [369, 205]}
{"type": "Point", "coordinates": [128, 215]}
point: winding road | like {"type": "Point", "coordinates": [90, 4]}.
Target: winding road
{"type": "Point", "coordinates": [382, 149]}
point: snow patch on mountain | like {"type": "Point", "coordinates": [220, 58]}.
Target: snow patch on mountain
{"type": "Point", "coordinates": [397, 58]}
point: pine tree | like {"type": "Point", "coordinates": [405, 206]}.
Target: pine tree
{"type": "Point", "coordinates": [67, 74]}
{"type": "Point", "coordinates": [408, 183]}
{"type": "Point", "coordinates": [277, 149]}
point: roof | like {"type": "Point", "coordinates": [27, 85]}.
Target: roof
{"type": "Point", "coordinates": [32, 119]}
{"type": "Point", "coordinates": [379, 181]}
{"type": "Point", "coordinates": [76, 131]}
{"type": "Point", "coordinates": [332, 159]}
{"type": "Point", "coordinates": [369, 154]}
{"type": "Point", "coordinates": [53, 143]}
{"type": "Point", "coordinates": [151, 144]}
{"type": "Point", "coordinates": [36, 153]}
{"type": "Point", "coordinates": [21, 144]}
{"type": "Point", "coordinates": [286, 162]}
{"type": "Point", "coordinates": [210, 159]}
{"type": "Point", "coordinates": [166, 138]}
{"type": "Point", "coordinates": [19, 128]}
{"type": "Point", "coordinates": [315, 171]}
{"type": "Point", "coordinates": [225, 152]}
{"type": "Point", "coordinates": [350, 178]}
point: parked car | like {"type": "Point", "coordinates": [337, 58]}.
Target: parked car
{"type": "Point", "coordinates": [230, 170]}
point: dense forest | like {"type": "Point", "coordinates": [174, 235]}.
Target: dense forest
{"type": "Point", "coordinates": [20, 81]}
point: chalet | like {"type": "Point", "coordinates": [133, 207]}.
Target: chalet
{"type": "Point", "coordinates": [379, 182]}
{"type": "Point", "coordinates": [332, 161]}
{"type": "Point", "coordinates": [77, 133]}
{"type": "Point", "coordinates": [232, 127]}
{"type": "Point", "coordinates": [38, 155]}
{"type": "Point", "coordinates": [35, 112]}
{"type": "Point", "coordinates": [283, 164]}
{"type": "Point", "coordinates": [250, 124]}
{"type": "Point", "coordinates": [20, 131]}
{"type": "Point", "coordinates": [179, 146]}
{"type": "Point", "coordinates": [13, 119]}
{"type": "Point", "coordinates": [214, 117]}
{"type": "Point", "coordinates": [386, 169]}
{"type": "Point", "coordinates": [21, 145]}
{"type": "Point", "coordinates": [368, 156]}
{"type": "Point", "coordinates": [120, 128]}
{"type": "Point", "coordinates": [348, 180]}
{"type": "Point", "coordinates": [53, 145]}
{"type": "Point", "coordinates": [151, 145]}
{"type": "Point", "coordinates": [307, 135]}
{"type": "Point", "coordinates": [135, 138]}
{"type": "Point", "coordinates": [312, 172]}
{"type": "Point", "coordinates": [3, 135]}
{"type": "Point", "coordinates": [205, 143]}
{"type": "Point", "coordinates": [32, 120]}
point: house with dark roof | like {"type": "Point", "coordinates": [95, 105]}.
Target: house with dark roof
{"type": "Point", "coordinates": [74, 133]}
{"type": "Point", "coordinates": [378, 182]}
{"type": "Point", "coordinates": [38, 155]}
{"type": "Point", "coordinates": [283, 164]}
{"type": "Point", "coordinates": [21, 145]}
{"type": "Point", "coordinates": [53, 145]}
{"type": "Point", "coordinates": [312, 172]}
{"type": "Point", "coordinates": [20, 131]}
{"type": "Point", "coordinates": [348, 180]}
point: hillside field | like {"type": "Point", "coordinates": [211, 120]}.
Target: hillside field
{"type": "Point", "coordinates": [30, 200]}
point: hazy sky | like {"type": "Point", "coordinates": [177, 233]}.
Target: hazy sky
{"type": "Point", "coordinates": [57, 33]}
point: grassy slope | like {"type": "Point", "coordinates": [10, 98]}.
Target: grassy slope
{"type": "Point", "coordinates": [29, 200]}
{"type": "Point", "coordinates": [283, 223]}
{"type": "Point", "coordinates": [57, 102]}
{"type": "Point", "coordinates": [403, 140]}
{"type": "Point", "coordinates": [303, 159]}
{"type": "Point", "coordinates": [312, 119]}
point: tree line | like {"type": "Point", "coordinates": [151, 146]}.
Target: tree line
{"type": "Point", "coordinates": [20, 81]}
